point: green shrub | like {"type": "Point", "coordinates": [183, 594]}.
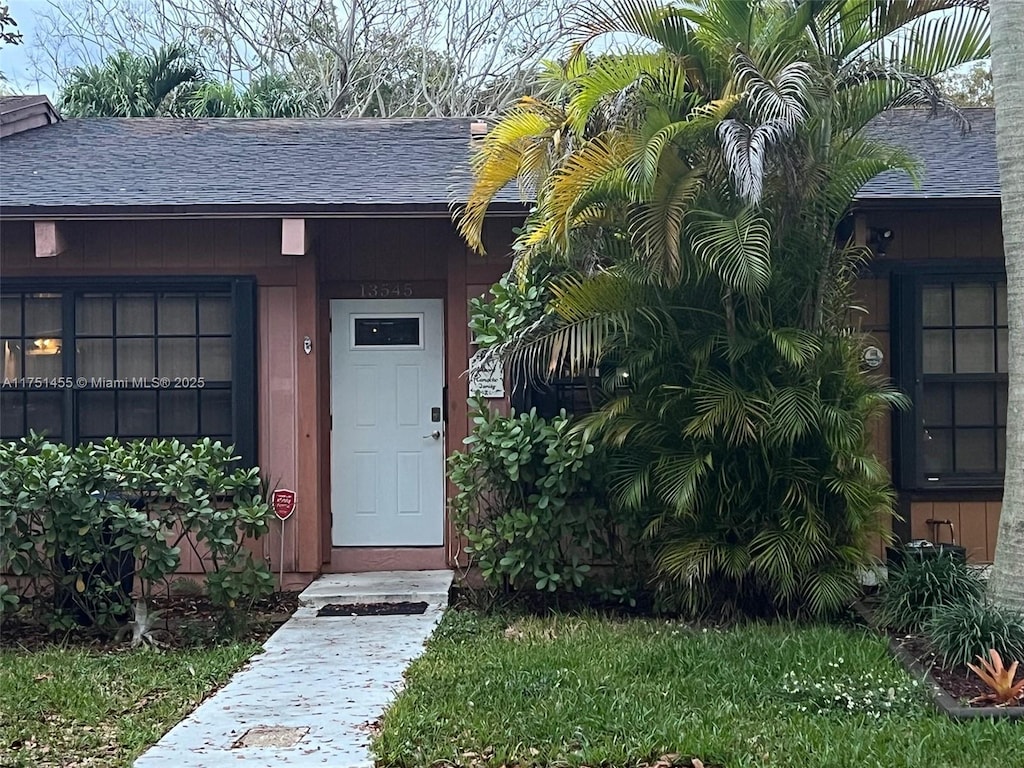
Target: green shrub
{"type": "Point", "coordinates": [80, 521]}
{"type": "Point", "coordinates": [961, 631]}
{"type": "Point", "coordinates": [530, 503]}
{"type": "Point", "coordinates": [921, 585]}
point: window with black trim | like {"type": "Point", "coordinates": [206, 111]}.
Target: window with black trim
{"type": "Point", "coordinates": [578, 396]}
{"type": "Point", "coordinates": [956, 373]}
{"type": "Point", "coordinates": [131, 361]}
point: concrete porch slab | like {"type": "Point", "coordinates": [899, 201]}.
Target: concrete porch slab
{"type": "Point", "coordinates": [325, 679]}
{"type": "Point", "coordinates": [381, 587]}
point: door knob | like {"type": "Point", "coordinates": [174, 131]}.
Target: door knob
{"type": "Point", "coordinates": [436, 434]}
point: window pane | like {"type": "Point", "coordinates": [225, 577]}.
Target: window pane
{"type": "Point", "coordinates": [136, 413]}
{"type": "Point", "coordinates": [1001, 395]}
{"type": "Point", "coordinates": [937, 451]}
{"type": "Point", "coordinates": [938, 352]}
{"type": "Point", "coordinates": [43, 358]}
{"type": "Point", "coordinates": [177, 314]}
{"type": "Point", "coordinates": [94, 315]}
{"type": "Point", "coordinates": [1000, 450]}
{"type": "Point", "coordinates": [95, 358]}
{"type": "Point", "coordinates": [10, 314]}
{"type": "Point", "coordinates": [974, 304]}
{"type": "Point", "coordinates": [95, 414]}
{"type": "Point", "coordinates": [975, 405]}
{"type": "Point", "coordinates": [214, 315]}
{"type": "Point", "coordinates": [975, 450]}
{"type": "Point", "coordinates": [975, 351]}
{"type": "Point", "coordinates": [935, 305]}
{"type": "Point", "coordinates": [177, 357]}
{"type": "Point", "coordinates": [1002, 350]}
{"type": "Point", "coordinates": [12, 414]}
{"type": "Point", "coordinates": [11, 350]}
{"type": "Point", "coordinates": [1001, 314]}
{"type": "Point", "coordinates": [135, 315]}
{"type": "Point", "coordinates": [387, 331]}
{"type": "Point", "coordinates": [135, 358]}
{"type": "Point", "coordinates": [44, 412]}
{"type": "Point", "coordinates": [937, 405]}
{"type": "Point", "coordinates": [179, 413]}
{"type": "Point", "coordinates": [215, 359]}
{"type": "Point", "coordinates": [216, 412]}
{"type": "Point", "coordinates": [43, 315]}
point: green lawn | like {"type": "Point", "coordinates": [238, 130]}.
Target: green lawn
{"type": "Point", "coordinates": [69, 706]}
{"type": "Point", "coordinates": [592, 691]}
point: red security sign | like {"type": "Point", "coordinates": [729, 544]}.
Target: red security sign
{"type": "Point", "coordinates": [283, 502]}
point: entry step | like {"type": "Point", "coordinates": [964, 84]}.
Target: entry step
{"type": "Point", "coordinates": [379, 587]}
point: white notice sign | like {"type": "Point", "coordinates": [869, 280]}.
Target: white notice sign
{"type": "Point", "coordinates": [486, 379]}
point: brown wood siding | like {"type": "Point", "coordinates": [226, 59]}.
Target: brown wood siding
{"type": "Point", "coordinates": [287, 383]}
{"type": "Point", "coordinates": [176, 247]}
{"type": "Point", "coordinates": [941, 234]}
{"type": "Point", "coordinates": [974, 525]}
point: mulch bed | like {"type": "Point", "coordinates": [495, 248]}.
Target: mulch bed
{"type": "Point", "coordinates": [959, 682]}
{"type": "Point", "coordinates": [184, 621]}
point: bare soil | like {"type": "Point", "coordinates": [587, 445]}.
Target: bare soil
{"type": "Point", "coordinates": [183, 621]}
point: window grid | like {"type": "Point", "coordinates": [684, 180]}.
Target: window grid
{"type": "Point", "coordinates": [25, 408]}
{"type": "Point", "coordinates": [211, 405]}
{"type": "Point", "coordinates": [962, 401]}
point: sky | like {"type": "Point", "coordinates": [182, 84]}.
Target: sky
{"type": "Point", "coordinates": [14, 61]}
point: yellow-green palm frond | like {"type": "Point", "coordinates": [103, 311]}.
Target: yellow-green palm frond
{"type": "Point", "coordinates": [850, 29]}
{"type": "Point", "coordinates": [598, 162]}
{"type": "Point", "coordinates": [657, 225]}
{"type": "Point", "coordinates": [518, 149]}
{"type": "Point", "coordinates": [608, 83]}
{"type": "Point", "coordinates": [673, 28]}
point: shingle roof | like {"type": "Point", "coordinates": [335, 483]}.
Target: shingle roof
{"type": "Point", "coordinates": [8, 103]}
{"type": "Point", "coordinates": [952, 165]}
{"type": "Point", "coordinates": [288, 164]}
{"type": "Point", "coordinates": [315, 164]}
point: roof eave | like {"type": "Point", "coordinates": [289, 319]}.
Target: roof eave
{"type": "Point", "coordinates": [875, 202]}
{"type": "Point", "coordinates": [248, 211]}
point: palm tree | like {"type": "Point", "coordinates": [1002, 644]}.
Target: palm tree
{"type": "Point", "coordinates": [1006, 586]}
{"type": "Point", "coordinates": [696, 185]}
{"type": "Point", "coordinates": [271, 95]}
{"type": "Point", "coordinates": [130, 85]}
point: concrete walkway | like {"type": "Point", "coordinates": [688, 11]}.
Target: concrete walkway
{"type": "Point", "coordinates": [310, 697]}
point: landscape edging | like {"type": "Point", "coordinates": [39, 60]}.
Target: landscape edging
{"type": "Point", "coordinates": [942, 700]}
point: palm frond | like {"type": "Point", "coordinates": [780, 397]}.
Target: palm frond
{"type": "Point", "coordinates": [737, 250]}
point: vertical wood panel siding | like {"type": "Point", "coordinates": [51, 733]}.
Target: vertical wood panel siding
{"type": "Point", "coordinates": [277, 409]}
{"type": "Point", "coordinates": [212, 247]}
{"type": "Point", "coordinates": [940, 234]}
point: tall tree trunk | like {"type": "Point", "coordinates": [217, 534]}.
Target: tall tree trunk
{"type": "Point", "coordinates": [1007, 584]}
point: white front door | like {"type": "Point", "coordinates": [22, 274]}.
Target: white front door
{"type": "Point", "coordinates": [387, 433]}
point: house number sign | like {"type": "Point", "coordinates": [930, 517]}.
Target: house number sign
{"type": "Point", "coordinates": [386, 290]}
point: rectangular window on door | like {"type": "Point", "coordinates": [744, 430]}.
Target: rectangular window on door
{"type": "Point", "coordinates": [387, 331]}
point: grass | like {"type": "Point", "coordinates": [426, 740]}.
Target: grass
{"type": "Point", "coordinates": [592, 691]}
{"type": "Point", "coordinates": [73, 706]}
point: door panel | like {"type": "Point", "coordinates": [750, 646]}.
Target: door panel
{"type": "Point", "coordinates": [387, 455]}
